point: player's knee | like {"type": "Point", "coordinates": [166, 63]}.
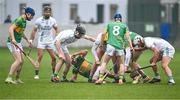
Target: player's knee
{"type": "Point", "coordinates": [164, 65]}
{"type": "Point", "coordinates": [19, 61]}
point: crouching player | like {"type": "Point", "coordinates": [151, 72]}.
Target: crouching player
{"type": "Point", "coordinates": [164, 52]}
{"type": "Point", "coordinates": [132, 57]}
{"type": "Point", "coordinates": [83, 67]}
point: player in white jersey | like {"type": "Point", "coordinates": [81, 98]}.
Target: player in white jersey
{"type": "Point", "coordinates": [164, 52]}
{"type": "Point", "coordinates": [98, 53]}
{"type": "Point", "coordinates": [44, 27]}
{"type": "Point", "coordinates": [61, 41]}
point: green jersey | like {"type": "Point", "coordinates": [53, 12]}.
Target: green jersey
{"type": "Point", "coordinates": [116, 32]}
{"type": "Point", "coordinates": [132, 36]}
{"type": "Point", "coordinates": [82, 66]}
{"type": "Point", "coordinates": [18, 32]}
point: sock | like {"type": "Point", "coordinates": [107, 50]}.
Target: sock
{"type": "Point", "coordinates": [121, 77]}
{"type": "Point", "coordinates": [101, 76]}
{"type": "Point", "coordinates": [170, 77]}
{"type": "Point", "coordinates": [90, 78]}
{"type": "Point", "coordinates": [157, 77]}
{"type": "Point", "coordinates": [64, 77]}
{"type": "Point", "coordinates": [156, 74]}
{"type": "Point", "coordinates": [10, 76]}
{"type": "Point", "coordinates": [36, 72]}
{"type": "Point", "coordinates": [55, 74]}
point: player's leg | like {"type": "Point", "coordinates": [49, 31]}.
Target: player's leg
{"type": "Point", "coordinates": [127, 58]}
{"type": "Point", "coordinates": [165, 64]}
{"type": "Point", "coordinates": [120, 58]}
{"type": "Point", "coordinates": [166, 58]}
{"type": "Point", "coordinates": [157, 77]}
{"type": "Point", "coordinates": [53, 59]}
{"type": "Point", "coordinates": [96, 75]}
{"type": "Point", "coordinates": [59, 64]}
{"type": "Point", "coordinates": [66, 69]}
{"type": "Point", "coordinates": [109, 52]}
{"type": "Point", "coordinates": [115, 68]}
{"type": "Point", "coordinates": [100, 54]}
{"type": "Point", "coordinates": [103, 68]}
{"type": "Point", "coordinates": [17, 57]}
{"type": "Point", "coordinates": [136, 66]}
{"type": "Point", "coordinates": [17, 78]}
{"type": "Point", "coordinates": [40, 56]}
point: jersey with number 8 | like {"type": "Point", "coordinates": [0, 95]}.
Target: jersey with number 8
{"type": "Point", "coordinates": [116, 32]}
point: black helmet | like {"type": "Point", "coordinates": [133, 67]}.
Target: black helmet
{"type": "Point", "coordinates": [80, 29]}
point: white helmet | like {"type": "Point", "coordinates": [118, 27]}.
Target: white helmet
{"type": "Point", "coordinates": [137, 40]}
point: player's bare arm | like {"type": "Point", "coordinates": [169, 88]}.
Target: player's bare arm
{"type": "Point", "coordinates": [140, 49]}
{"type": "Point", "coordinates": [59, 50]}
{"type": "Point", "coordinates": [90, 38]}
{"type": "Point", "coordinates": [11, 31]}
{"type": "Point", "coordinates": [57, 30]}
{"type": "Point", "coordinates": [82, 53]}
{"type": "Point", "coordinates": [102, 39]}
{"type": "Point", "coordinates": [33, 33]}
{"type": "Point", "coordinates": [25, 38]}
{"type": "Point", "coordinates": [129, 40]}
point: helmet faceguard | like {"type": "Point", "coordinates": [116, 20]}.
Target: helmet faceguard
{"type": "Point", "coordinates": [138, 41]}
{"type": "Point", "coordinates": [117, 17]}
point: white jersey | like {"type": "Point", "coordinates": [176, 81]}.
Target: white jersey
{"type": "Point", "coordinates": [45, 29]}
{"type": "Point", "coordinates": [152, 42]}
{"type": "Point", "coordinates": [66, 37]}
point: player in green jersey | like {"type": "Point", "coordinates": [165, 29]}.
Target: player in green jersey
{"type": "Point", "coordinates": [116, 31]}
{"type": "Point", "coordinates": [83, 67]}
{"type": "Point", "coordinates": [16, 31]}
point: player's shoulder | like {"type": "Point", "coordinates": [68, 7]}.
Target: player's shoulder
{"type": "Point", "coordinates": [69, 31]}
{"type": "Point", "coordinates": [18, 19]}
{"type": "Point", "coordinates": [147, 38]}
{"type": "Point", "coordinates": [52, 18]}
{"type": "Point", "coordinates": [117, 24]}
{"type": "Point", "coordinates": [39, 19]}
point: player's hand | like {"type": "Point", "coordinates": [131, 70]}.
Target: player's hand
{"type": "Point", "coordinates": [132, 50]}
{"type": "Point", "coordinates": [73, 56]}
{"type": "Point", "coordinates": [14, 41]}
{"type": "Point", "coordinates": [153, 64]}
{"type": "Point", "coordinates": [101, 46]}
{"type": "Point", "coordinates": [62, 56]}
{"type": "Point", "coordinates": [30, 43]}
{"type": "Point", "coordinates": [98, 62]}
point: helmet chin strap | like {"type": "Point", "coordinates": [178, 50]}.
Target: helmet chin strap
{"type": "Point", "coordinates": [27, 17]}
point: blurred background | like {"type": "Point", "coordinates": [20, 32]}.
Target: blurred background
{"type": "Point", "coordinates": [160, 18]}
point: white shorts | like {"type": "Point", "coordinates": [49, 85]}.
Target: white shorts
{"type": "Point", "coordinates": [168, 52]}
{"type": "Point", "coordinates": [64, 49]}
{"type": "Point", "coordinates": [127, 56]}
{"type": "Point", "coordinates": [13, 48]}
{"type": "Point", "coordinates": [112, 50]}
{"type": "Point", "coordinates": [45, 45]}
